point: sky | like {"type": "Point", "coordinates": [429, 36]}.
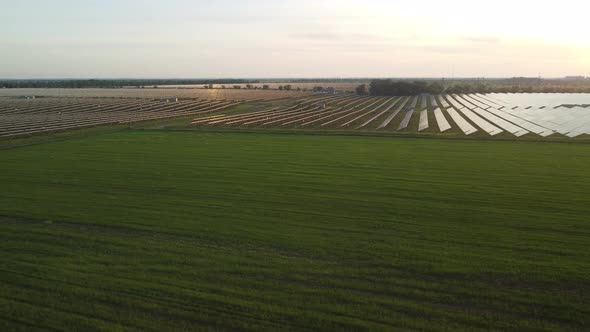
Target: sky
{"type": "Point", "coordinates": [284, 38]}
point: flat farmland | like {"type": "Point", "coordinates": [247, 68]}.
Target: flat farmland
{"type": "Point", "coordinates": [160, 230]}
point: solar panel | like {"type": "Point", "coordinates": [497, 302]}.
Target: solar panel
{"type": "Point", "coordinates": [423, 124]}
{"type": "Point", "coordinates": [483, 124]}
{"type": "Point", "coordinates": [395, 112]}
{"type": "Point", "coordinates": [476, 102]}
{"type": "Point", "coordinates": [454, 103]}
{"type": "Point", "coordinates": [379, 114]}
{"type": "Point", "coordinates": [530, 126]}
{"type": "Point", "coordinates": [443, 124]}
{"type": "Point", "coordinates": [463, 101]}
{"type": "Point", "coordinates": [406, 120]}
{"type": "Point", "coordinates": [465, 126]}
{"type": "Point", "coordinates": [443, 102]}
{"type": "Point", "coordinates": [424, 101]}
{"type": "Point", "coordinates": [433, 103]}
{"type": "Point", "coordinates": [498, 121]}
{"type": "Point", "coordinates": [413, 104]}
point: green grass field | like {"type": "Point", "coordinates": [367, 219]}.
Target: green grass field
{"type": "Point", "coordinates": [160, 230]}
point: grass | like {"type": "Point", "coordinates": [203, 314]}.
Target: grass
{"type": "Point", "coordinates": [171, 230]}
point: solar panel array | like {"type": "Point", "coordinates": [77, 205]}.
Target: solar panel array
{"type": "Point", "coordinates": [512, 115]}
{"type": "Point", "coordinates": [566, 114]}
{"type": "Point", "coordinates": [466, 114]}
{"type": "Point", "coordinates": [47, 115]}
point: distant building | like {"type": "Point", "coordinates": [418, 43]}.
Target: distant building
{"type": "Point", "coordinates": [26, 97]}
{"type": "Point", "coordinates": [330, 90]}
{"type": "Point", "coordinates": [169, 100]}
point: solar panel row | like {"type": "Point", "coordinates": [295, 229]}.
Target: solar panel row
{"type": "Point", "coordinates": [443, 124]}
{"type": "Point", "coordinates": [465, 126]}
{"type": "Point", "coordinates": [395, 112]}
{"type": "Point", "coordinates": [423, 124]}
{"type": "Point", "coordinates": [406, 119]}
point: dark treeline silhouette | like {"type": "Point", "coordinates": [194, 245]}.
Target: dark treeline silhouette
{"type": "Point", "coordinates": [518, 88]}
{"type": "Point", "coordinates": [97, 83]}
{"type": "Point", "coordinates": [388, 87]}
{"type": "Point", "coordinates": [314, 80]}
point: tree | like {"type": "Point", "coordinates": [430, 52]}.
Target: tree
{"type": "Point", "coordinates": [436, 88]}
{"type": "Point", "coordinates": [388, 87]}
{"type": "Point", "coordinates": [265, 87]}
{"type": "Point", "coordinates": [281, 87]}
{"type": "Point", "coordinates": [361, 90]}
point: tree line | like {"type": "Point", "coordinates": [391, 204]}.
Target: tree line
{"type": "Point", "coordinates": [388, 87]}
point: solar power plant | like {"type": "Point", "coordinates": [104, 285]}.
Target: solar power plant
{"type": "Point", "coordinates": [507, 115]}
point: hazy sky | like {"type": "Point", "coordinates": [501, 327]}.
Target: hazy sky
{"type": "Point", "coordinates": [274, 38]}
